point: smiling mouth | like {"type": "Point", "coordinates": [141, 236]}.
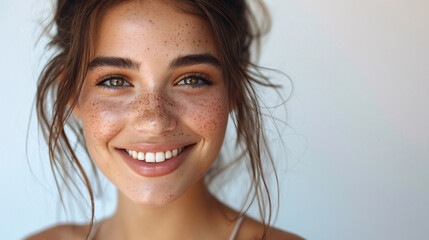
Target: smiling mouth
{"type": "Point", "coordinates": [155, 157]}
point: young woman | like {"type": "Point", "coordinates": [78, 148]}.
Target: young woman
{"type": "Point", "coordinates": [151, 84]}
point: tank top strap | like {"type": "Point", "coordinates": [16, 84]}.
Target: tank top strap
{"type": "Point", "coordinates": [94, 230]}
{"type": "Point", "coordinates": [236, 228]}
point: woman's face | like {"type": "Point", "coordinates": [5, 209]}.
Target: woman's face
{"type": "Point", "coordinates": [154, 90]}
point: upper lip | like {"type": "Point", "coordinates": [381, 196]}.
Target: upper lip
{"type": "Point", "coordinates": [154, 147]}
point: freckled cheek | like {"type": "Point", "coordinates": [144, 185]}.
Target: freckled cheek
{"type": "Point", "coordinates": [102, 119]}
{"type": "Point", "coordinates": [209, 117]}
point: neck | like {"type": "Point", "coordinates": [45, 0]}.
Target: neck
{"type": "Point", "coordinates": [195, 214]}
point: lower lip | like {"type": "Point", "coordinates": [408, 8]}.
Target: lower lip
{"type": "Point", "coordinates": [155, 169]}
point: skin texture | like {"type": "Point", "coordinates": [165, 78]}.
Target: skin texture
{"type": "Point", "coordinates": [153, 109]}
{"type": "Point", "coordinates": [156, 107]}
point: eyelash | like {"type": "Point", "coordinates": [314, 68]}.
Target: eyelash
{"type": "Point", "coordinates": [202, 80]}
{"type": "Point", "coordinates": [105, 79]}
{"type": "Point", "coordinates": [201, 77]}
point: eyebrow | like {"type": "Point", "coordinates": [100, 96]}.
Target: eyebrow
{"type": "Point", "coordinates": [194, 59]}
{"type": "Point", "coordinates": [114, 62]}
{"type": "Point", "coordinates": [181, 61]}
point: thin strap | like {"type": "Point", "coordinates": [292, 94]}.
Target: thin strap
{"type": "Point", "coordinates": [236, 228]}
{"type": "Point", "coordinates": [94, 230]}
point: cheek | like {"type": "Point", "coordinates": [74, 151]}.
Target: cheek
{"type": "Point", "coordinates": [102, 119]}
{"type": "Point", "coordinates": [208, 115]}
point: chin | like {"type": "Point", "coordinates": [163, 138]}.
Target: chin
{"type": "Point", "coordinates": [153, 196]}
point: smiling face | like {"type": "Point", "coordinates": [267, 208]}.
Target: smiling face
{"type": "Point", "coordinates": [154, 87]}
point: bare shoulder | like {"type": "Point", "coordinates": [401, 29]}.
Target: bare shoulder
{"type": "Point", "coordinates": [252, 229]}
{"type": "Point", "coordinates": [278, 234]}
{"type": "Point", "coordinates": [64, 231]}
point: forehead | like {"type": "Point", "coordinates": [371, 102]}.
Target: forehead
{"type": "Point", "coordinates": [152, 27]}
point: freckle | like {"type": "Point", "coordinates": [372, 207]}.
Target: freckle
{"type": "Point", "coordinates": [148, 49]}
{"type": "Point", "coordinates": [207, 41]}
{"type": "Point", "coordinates": [177, 44]}
{"type": "Point", "coordinates": [187, 24]}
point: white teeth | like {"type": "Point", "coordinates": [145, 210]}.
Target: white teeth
{"type": "Point", "coordinates": [168, 154]}
{"type": "Point", "coordinates": [160, 157]}
{"type": "Point", "coordinates": [150, 157]}
{"type": "Point", "coordinates": [154, 157]}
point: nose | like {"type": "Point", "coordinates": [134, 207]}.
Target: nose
{"type": "Point", "coordinates": [154, 114]}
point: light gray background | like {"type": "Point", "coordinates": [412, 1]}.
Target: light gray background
{"type": "Point", "coordinates": [357, 146]}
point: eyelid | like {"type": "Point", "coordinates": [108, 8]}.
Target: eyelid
{"type": "Point", "coordinates": [104, 78]}
{"type": "Point", "coordinates": [199, 75]}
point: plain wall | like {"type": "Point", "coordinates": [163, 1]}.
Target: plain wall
{"type": "Point", "coordinates": [357, 142]}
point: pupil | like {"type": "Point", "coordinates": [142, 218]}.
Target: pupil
{"type": "Point", "coordinates": [191, 81]}
{"type": "Point", "coordinates": [116, 82]}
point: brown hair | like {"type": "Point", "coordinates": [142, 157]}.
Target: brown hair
{"type": "Point", "coordinates": [236, 30]}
